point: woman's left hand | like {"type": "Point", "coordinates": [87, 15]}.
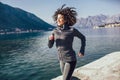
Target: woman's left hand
{"type": "Point", "coordinates": [80, 54]}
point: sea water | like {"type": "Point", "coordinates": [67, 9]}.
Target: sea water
{"type": "Point", "coordinates": [27, 56]}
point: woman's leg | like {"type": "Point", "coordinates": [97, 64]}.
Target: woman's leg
{"type": "Point", "coordinates": [67, 69]}
{"type": "Point", "coordinates": [62, 64]}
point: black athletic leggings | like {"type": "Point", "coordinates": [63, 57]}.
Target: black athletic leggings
{"type": "Point", "coordinates": [67, 69]}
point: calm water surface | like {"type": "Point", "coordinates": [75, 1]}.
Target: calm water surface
{"type": "Point", "coordinates": [27, 57]}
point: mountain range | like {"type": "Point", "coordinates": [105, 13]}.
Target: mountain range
{"type": "Point", "coordinates": [97, 20]}
{"type": "Point", "coordinates": [12, 18]}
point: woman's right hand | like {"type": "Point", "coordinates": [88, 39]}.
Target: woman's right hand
{"type": "Point", "coordinates": [51, 37]}
{"type": "Point", "coordinates": [80, 54]}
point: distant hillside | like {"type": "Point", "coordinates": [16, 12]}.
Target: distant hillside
{"type": "Point", "coordinates": [14, 18]}
{"type": "Point", "coordinates": [97, 20]}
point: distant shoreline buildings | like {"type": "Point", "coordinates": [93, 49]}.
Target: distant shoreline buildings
{"type": "Point", "coordinates": [18, 31]}
{"type": "Point", "coordinates": [108, 25]}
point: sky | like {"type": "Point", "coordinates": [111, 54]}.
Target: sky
{"type": "Point", "coordinates": [44, 9]}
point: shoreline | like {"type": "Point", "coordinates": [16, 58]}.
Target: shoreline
{"type": "Point", "coordinates": [21, 32]}
{"type": "Point", "coordinates": [105, 68]}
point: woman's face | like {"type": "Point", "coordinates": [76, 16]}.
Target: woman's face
{"type": "Point", "coordinates": [60, 20]}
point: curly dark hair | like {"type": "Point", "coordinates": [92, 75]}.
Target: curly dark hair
{"type": "Point", "coordinates": [69, 15]}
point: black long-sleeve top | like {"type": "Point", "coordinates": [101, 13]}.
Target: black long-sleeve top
{"type": "Point", "coordinates": [64, 40]}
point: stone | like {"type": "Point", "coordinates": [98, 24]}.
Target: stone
{"type": "Point", "coordinates": [105, 68]}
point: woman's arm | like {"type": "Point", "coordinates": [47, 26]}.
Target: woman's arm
{"type": "Point", "coordinates": [83, 40]}
{"type": "Point", "coordinates": [51, 41]}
